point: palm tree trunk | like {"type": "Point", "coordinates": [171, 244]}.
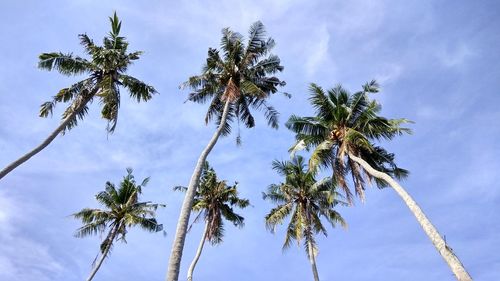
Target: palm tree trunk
{"type": "Point", "coordinates": [310, 246]}
{"type": "Point", "coordinates": [446, 252]}
{"type": "Point", "coordinates": [182, 224]}
{"type": "Point", "coordinates": [104, 254]}
{"type": "Point", "coordinates": [198, 253]}
{"type": "Point", "coordinates": [312, 260]}
{"type": "Point", "coordinates": [45, 143]}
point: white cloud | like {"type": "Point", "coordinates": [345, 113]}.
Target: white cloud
{"type": "Point", "coordinates": [455, 55]}
{"type": "Point", "coordinates": [389, 73]}
{"type": "Point", "coordinates": [21, 257]}
{"type": "Point", "coordinates": [358, 18]}
{"type": "Point", "coordinates": [162, 139]}
{"type": "Point", "coordinates": [318, 51]}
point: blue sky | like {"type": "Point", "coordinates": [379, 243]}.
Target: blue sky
{"type": "Point", "coordinates": [437, 62]}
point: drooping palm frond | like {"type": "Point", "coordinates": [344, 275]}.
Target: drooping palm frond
{"type": "Point", "coordinates": [77, 110]}
{"type": "Point", "coordinates": [278, 214]}
{"type": "Point", "coordinates": [75, 93]}
{"type": "Point", "coordinates": [66, 64]}
{"type": "Point", "coordinates": [138, 90]}
{"type": "Point", "coordinates": [92, 228]}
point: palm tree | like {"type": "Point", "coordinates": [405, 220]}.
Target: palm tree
{"type": "Point", "coordinates": [306, 200]}
{"type": "Point", "coordinates": [237, 79]}
{"type": "Point", "coordinates": [342, 135]}
{"type": "Point", "coordinates": [122, 210]}
{"type": "Point", "coordinates": [214, 201]}
{"type": "Point", "coordinates": [106, 70]}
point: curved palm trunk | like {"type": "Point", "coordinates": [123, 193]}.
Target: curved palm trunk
{"type": "Point", "coordinates": [446, 252]}
{"type": "Point", "coordinates": [312, 260]}
{"type": "Point", "coordinates": [198, 253]}
{"type": "Point", "coordinates": [182, 224]}
{"type": "Point", "coordinates": [44, 144]}
{"type": "Point", "coordinates": [104, 254]}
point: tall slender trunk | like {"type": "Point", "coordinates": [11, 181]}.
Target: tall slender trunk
{"type": "Point", "coordinates": [182, 224]}
{"type": "Point", "coordinates": [45, 143]}
{"type": "Point", "coordinates": [308, 236]}
{"type": "Point", "coordinates": [198, 253]}
{"type": "Point", "coordinates": [104, 254]}
{"type": "Point", "coordinates": [312, 260]}
{"type": "Point", "coordinates": [446, 252]}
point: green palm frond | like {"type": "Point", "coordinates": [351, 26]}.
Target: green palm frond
{"type": "Point", "coordinates": [277, 215]}
{"type": "Point", "coordinates": [148, 224]}
{"type": "Point", "coordinates": [89, 46]}
{"type": "Point", "coordinates": [80, 108]}
{"type": "Point", "coordinates": [274, 195]}
{"type": "Point", "coordinates": [138, 90]}
{"type": "Point", "coordinates": [256, 40]}
{"type": "Point", "coordinates": [180, 188]}
{"type": "Point", "coordinates": [318, 154]}
{"type": "Point", "coordinates": [47, 108]}
{"type": "Point", "coordinates": [306, 125]}
{"type": "Point", "coordinates": [65, 64]}
{"type": "Point", "coordinates": [80, 94]}
{"type": "Point", "coordinates": [92, 228]}
{"type": "Point", "coordinates": [228, 213]}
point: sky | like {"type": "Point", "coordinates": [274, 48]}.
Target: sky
{"type": "Point", "coordinates": [436, 61]}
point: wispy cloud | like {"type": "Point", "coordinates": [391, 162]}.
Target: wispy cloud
{"type": "Point", "coordinates": [455, 55]}
{"type": "Point", "coordinates": [22, 257]}
{"type": "Point", "coordinates": [413, 48]}
{"type": "Point", "coordinates": [318, 52]}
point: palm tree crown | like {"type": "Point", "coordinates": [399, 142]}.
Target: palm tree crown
{"type": "Point", "coordinates": [106, 73]}
{"type": "Point", "coordinates": [303, 197]}
{"type": "Point", "coordinates": [346, 124]}
{"type": "Point", "coordinates": [214, 201]}
{"type": "Point", "coordinates": [122, 210]}
{"type": "Point", "coordinates": [242, 74]}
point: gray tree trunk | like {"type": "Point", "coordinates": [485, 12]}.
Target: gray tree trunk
{"type": "Point", "coordinates": [44, 144]}
{"type": "Point", "coordinates": [312, 260]}
{"type": "Point", "coordinates": [446, 252]}
{"type": "Point", "coordinates": [198, 253]}
{"type": "Point", "coordinates": [182, 224]}
{"type": "Point", "coordinates": [104, 254]}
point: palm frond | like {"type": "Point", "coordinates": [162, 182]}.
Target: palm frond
{"type": "Point", "coordinates": [90, 229]}
{"type": "Point", "coordinates": [277, 215]}
{"type": "Point", "coordinates": [138, 90]}
{"type": "Point", "coordinates": [76, 111]}
{"type": "Point", "coordinates": [65, 64]}
{"type": "Point", "coordinates": [47, 108]}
